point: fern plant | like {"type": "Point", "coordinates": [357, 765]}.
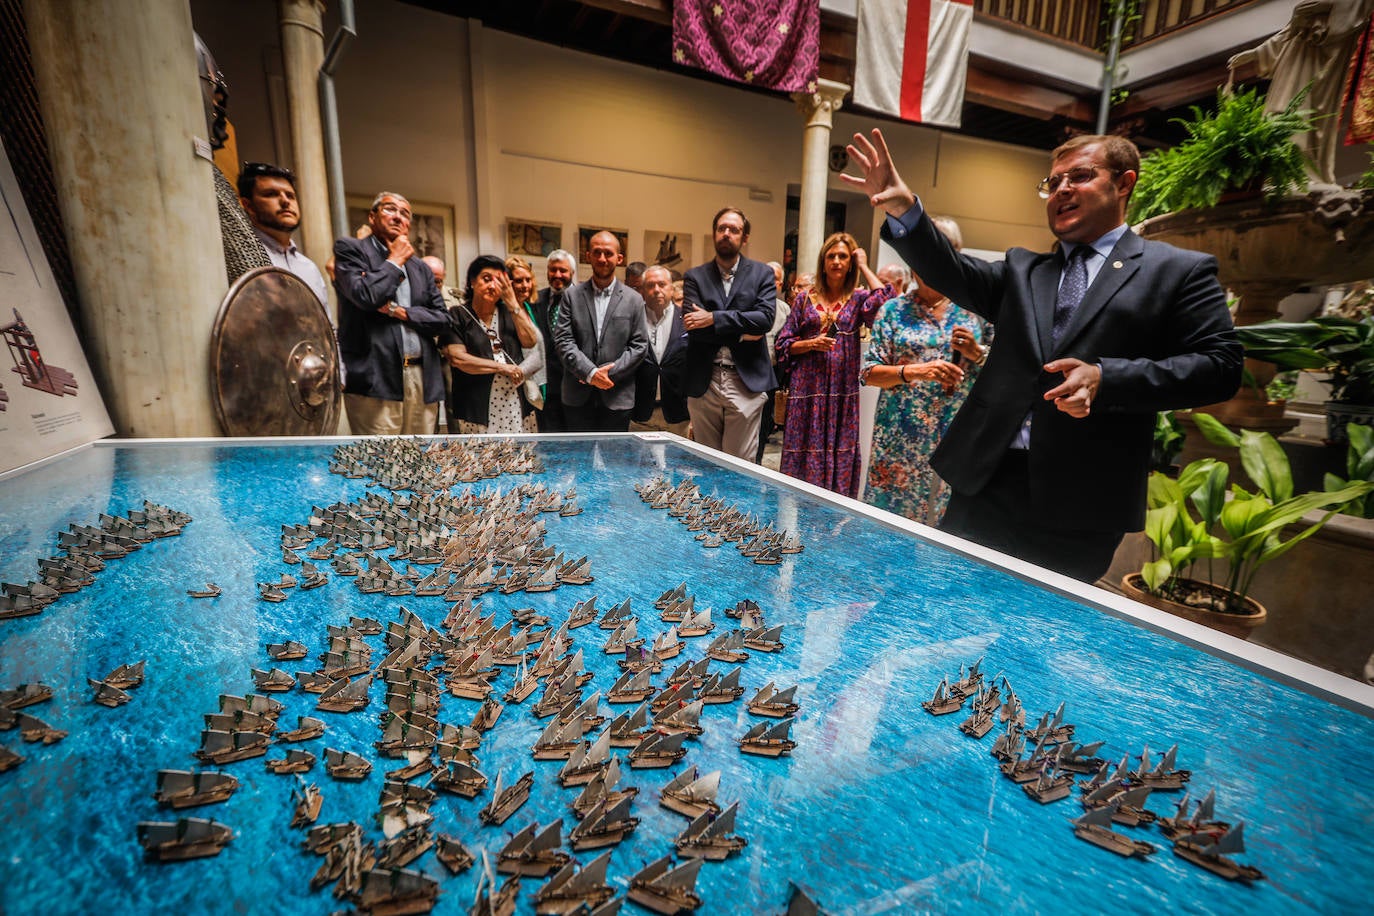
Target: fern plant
{"type": "Point", "coordinates": [1240, 146]}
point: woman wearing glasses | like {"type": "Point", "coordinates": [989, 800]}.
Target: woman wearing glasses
{"type": "Point", "coordinates": [493, 345]}
{"type": "Point", "coordinates": [818, 350]}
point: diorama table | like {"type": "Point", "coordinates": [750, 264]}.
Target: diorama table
{"type": "Point", "coordinates": [881, 808]}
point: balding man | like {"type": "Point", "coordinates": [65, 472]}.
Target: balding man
{"type": "Point", "coordinates": [600, 337]}
{"type": "Point", "coordinates": [436, 267]}
{"type": "Point", "coordinates": [660, 404]}
{"type": "Point", "coordinates": [896, 276]}
{"type": "Point", "coordinates": [561, 271]}
{"type": "Point", "coordinates": [389, 312]}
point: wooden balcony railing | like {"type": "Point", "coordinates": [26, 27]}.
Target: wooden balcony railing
{"type": "Point", "coordinates": [1079, 22]}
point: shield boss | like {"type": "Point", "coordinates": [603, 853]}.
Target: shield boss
{"type": "Point", "coordinates": [274, 361]}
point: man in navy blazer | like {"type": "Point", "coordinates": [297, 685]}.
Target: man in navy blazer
{"type": "Point", "coordinates": [562, 271]}
{"type": "Point", "coordinates": [389, 311]}
{"type": "Point", "coordinates": [659, 401]}
{"type": "Point", "coordinates": [1048, 457]}
{"type": "Point", "coordinates": [600, 338]}
{"type": "Point", "coordinates": [728, 305]}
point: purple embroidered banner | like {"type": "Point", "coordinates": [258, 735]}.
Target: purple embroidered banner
{"type": "Point", "coordinates": [770, 43]}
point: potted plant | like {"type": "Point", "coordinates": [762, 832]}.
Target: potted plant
{"type": "Point", "coordinates": [1343, 347]}
{"type": "Point", "coordinates": [1359, 465]}
{"type": "Point", "coordinates": [1240, 148]}
{"type": "Point", "coordinates": [1208, 544]}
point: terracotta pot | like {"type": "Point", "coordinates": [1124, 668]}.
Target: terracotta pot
{"type": "Point", "coordinates": [1238, 625]}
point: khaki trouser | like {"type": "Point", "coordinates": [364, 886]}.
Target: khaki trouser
{"type": "Point", "coordinates": [727, 416]}
{"type": "Point", "coordinates": [377, 417]}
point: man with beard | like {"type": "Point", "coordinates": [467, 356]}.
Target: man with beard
{"type": "Point", "coordinates": [600, 337]}
{"type": "Point", "coordinates": [562, 268]}
{"type": "Point", "coordinates": [389, 312]}
{"type": "Point", "coordinates": [728, 307]}
{"type": "Point", "coordinates": [267, 194]}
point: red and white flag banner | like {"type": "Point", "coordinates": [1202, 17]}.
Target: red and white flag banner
{"type": "Point", "coordinates": [911, 60]}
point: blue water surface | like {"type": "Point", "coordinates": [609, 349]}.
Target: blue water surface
{"type": "Point", "coordinates": [881, 808]}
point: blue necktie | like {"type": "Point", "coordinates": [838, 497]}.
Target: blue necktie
{"type": "Point", "coordinates": [1071, 289]}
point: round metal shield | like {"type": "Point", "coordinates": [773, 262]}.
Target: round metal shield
{"type": "Point", "coordinates": [274, 361]}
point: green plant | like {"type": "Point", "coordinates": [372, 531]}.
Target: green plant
{"type": "Point", "coordinates": [1282, 387]}
{"type": "Point", "coordinates": [1168, 441]}
{"type": "Point", "coordinates": [1343, 347]}
{"type": "Point", "coordinates": [1367, 179]}
{"type": "Point", "coordinates": [1244, 530]}
{"type": "Point", "coordinates": [1359, 465]}
{"type": "Point", "coordinates": [1240, 146]}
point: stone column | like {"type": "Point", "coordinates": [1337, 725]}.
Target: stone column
{"type": "Point", "coordinates": [302, 53]}
{"type": "Point", "coordinates": [819, 107]}
{"type": "Point", "coordinates": [121, 103]}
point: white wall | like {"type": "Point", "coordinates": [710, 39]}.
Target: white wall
{"type": "Point", "coordinates": [498, 127]}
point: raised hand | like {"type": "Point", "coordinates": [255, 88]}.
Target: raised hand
{"type": "Point", "coordinates": [880, 181]}
{"type": "Point", "coordinates": [400, 250]}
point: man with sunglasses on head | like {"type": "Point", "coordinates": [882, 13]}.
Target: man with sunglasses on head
{"type": "Point", "coordinates": [389, 313]}
{"type": "Point", "coordinates": [1048, 457]}
{"type": "Point", "coordinates": [267, 194]}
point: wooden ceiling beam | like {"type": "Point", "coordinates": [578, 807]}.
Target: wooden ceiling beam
{"type": "Point", "coordinates": [1006, 93]}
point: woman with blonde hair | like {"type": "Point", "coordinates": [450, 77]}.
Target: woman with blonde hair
{"type": "Point", "coordinates": [522, 283]}
{"type": "Point", "coordinates": [818, 350]}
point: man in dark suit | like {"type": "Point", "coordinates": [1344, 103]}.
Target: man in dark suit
{"type": "Point", "coordinates": [562, 270]}
{"type": "Point", "coordinates": [728, 305]}
{"type": "Point", "coordinates": [600, 337]}
{"type": "Point", "coordinates": [389, 311]}
{"type": "Point", "coordinates": [659, 402]}
{"type": "Point", "coordinates": [1048, 458]}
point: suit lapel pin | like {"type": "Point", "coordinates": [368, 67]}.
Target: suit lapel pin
{"type": "Point", "coordinates": [1117, 265]}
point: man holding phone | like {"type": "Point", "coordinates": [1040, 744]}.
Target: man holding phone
{"type": "Point", "coordinates": [728, 307]}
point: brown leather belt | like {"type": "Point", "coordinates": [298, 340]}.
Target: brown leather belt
{"type": "Point", "coordinates": [412, 361]}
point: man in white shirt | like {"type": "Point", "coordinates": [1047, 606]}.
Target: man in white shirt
{"type": "Point", "coordinates": [660, 404]}
{"type": "Point", "coordinates": [267, 194]}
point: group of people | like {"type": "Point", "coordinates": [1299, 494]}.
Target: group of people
{"type": "Point", "coordinates": [1037, 446]}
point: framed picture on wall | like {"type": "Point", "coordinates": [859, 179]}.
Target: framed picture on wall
{"type": "Point", "coordinates": [672, 250]}
{"type": "Point", "coordinates": [584, 239]}
{"type": "Point", "coordinates": [532, 239]}
{"type": "Point", "coordinates": [431, 230]}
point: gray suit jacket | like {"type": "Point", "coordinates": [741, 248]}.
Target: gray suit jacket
{"type": "Point", "coordinates": [623, 342]}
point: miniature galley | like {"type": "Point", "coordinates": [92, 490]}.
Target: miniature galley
{"type": "Point", "coordinates": [430, 526]}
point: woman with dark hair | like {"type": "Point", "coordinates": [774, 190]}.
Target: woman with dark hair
{"type": "Point", "coordinates": [818, 350]}
{"type": "Point", "coordinates": [493, 345]}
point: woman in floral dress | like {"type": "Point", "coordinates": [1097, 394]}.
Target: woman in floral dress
{"type": "Point", "coordinates": [924, 353]}
{"type": "Point", "coordinates": [818, 351]}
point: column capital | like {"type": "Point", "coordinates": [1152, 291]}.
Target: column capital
{"type": "Point", "coordinates": [820, 105]}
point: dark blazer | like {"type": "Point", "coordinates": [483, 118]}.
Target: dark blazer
{"type": "Point", "coordinates": [369, 342]}
{"type": "Point", "coordinates": [624, 340]}
{"type": "Point", "coordinates": [665, 373]}
{"type": "Point", "coordinates": [470, 397]}
{"type": "Point", "coordinates": [1154, 318]}
{"type": "Point", "coordinates": [748, 310]}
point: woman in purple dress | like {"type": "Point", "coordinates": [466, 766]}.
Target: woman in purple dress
{"type": "Point", "coordinates": [818, 349]}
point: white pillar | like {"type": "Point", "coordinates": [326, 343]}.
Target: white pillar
{"type": "Point", "coordinates": [302, 53]}
{"type": "Point", "coordinates": [121, 103]}
{"type": "Point", "coordinates": [819, 107]}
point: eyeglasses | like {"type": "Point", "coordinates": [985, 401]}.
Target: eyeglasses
{"type": "Point", "coordinates": [395, 210]}
{"type": "Point", "coordinates": [1075, 177]}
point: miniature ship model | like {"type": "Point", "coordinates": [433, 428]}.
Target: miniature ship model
{"type": "Point", "coordinates": [1163, 777]}
{"type": "Point", "coordinates": [286, 651]}
{"type": "Point", "coordinates": [607, 823]}
{"type": "Point", "coordinates": [664, 888]}
{"type": "Point", "coordinates": [346, 765]}
{"type": "Point", "coordinates": [601, 788]}
{"type": "Point", "coordinates": [657, 751]}
{"type": "Point", "coordinates": [534, 851]}
{"type": "Point", "coordinates": [188, 789]}
{"type": "Point", "coordinates": [776, 704]}
{"type": "Point", "coordinates": [405, 847]}
{"type": "Point", "coordinates": [397, 890]}
{"type": "Point", "coordinates": [708, 836]}
{"type": "Point", "coordinates": [1095, 827]}
{"type": "Point", "coordinates": [107, 694]}
{"type": "Point", "coordinates": [295, 761]}
{"type": "Point", "coordinates": [307, 728]}
{"type": "Point", "coordinates": [570, 891]}
{"type": "Point", "coordinates": [944, 701]}
{"type": "Point", "coordinates": [690, 795]}
{"type": "Point", "coordinates": [1211, 852]}
{"type": "Point", "coordinates": [721, 688]}
{"type": "Point", "coordinates": [489, 900]}
{"type": "Point", "coordinates": [768, 739]}
{"type": "Point", "coordinates": [1051, 785]}
{"type": "Point", "coordinates": [586, 761]}
{"type": "Point", "coordinates": [187, 838]}
{"type": "Point", "coordinates": [684, 720]}
{"type": "Point", "coordinates": [211, 591]}
{"type": "Point", "coordinates": [307, 802]}
{"type": "Point", "coordinates": [1203, 819]}
{"type": "Point", "coordinates": [452, 854]}
{"type": "Point", "coordinates": [274, 681]}
{"type": "Point", "coordinates": [507, 800]}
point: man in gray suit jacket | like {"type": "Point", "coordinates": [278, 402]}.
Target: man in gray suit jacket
{"type": "Point", "coordinates": [600, 337]}
{"type": "Point", "coordinates": [1048, 457]}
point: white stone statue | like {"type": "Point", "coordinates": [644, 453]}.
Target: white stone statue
{"type": "Point", "coordinates": [1314, 47]}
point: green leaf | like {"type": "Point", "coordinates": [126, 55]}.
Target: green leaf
{"type": "Point", "coordinates": [1159, 523]}
{"type": "Point", "coordinates": [1266, 463]}
{"type": "Point", "coordinates": [1215, 431]}
{"type": "Point", "coordinates": [1210, 495]}
{"type": "Point", "coordinates": [1238, 517]}
{"type": "Point", "coordinates": [1156, 574]}
{"type": "Point", "coordinates": [1162, 490]}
